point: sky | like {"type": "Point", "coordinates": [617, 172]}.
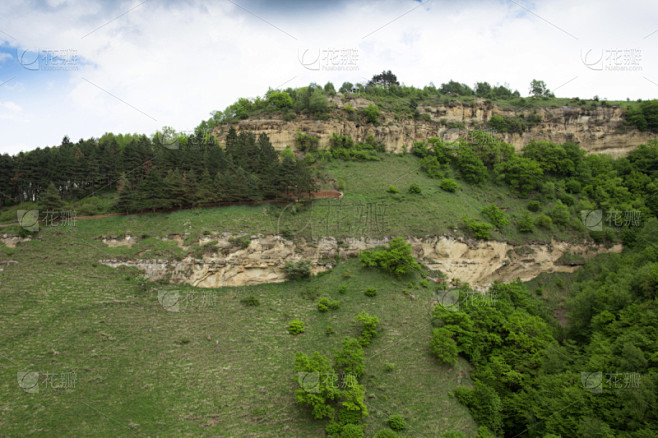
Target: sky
{"type": "Point", "coordinates": [82, 68]}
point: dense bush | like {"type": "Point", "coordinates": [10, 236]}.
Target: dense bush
{"type": "Point", "coordinates": [449, 185]}
{"type": "Point", "coordinates": [544, 221]}
{"type": "Point", "coordinates": [525, 224]}
{"type": "Point", "coordinates": [480, 230]}
{"type": "Point", "coordinates": [371, 292]}
{"type": "Point", "coordinates": [415, 189]}
{"type": "Point", "coordinates": [443, 346]}
{"type": "Point", "coordinates": [296, 327]}
{"type": "Point", "coordinates": [534, 206]}
{"type": "Point", "coordinates": [298, 270]}
{"type": "Point", "coordinates": [496, 216]}
{"type": "Point", "coordinates": [397, 259]}
{"type": "Point", "coordinates": [396, 422]}
{"type": "Point", "coordinates": [369, 331]}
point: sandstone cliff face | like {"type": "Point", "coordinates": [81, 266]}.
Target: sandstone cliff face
{"type": "Point", "coordinates": [478, 263]}
{"type": "Point", "coordinates": [594, 130]}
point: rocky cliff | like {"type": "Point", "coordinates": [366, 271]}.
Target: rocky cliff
{"type": "Point", "coordinates": [263, 260]}
{"type": "Point", "coordinates": [596, 131]}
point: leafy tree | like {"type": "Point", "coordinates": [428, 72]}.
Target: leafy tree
{"type": "Point", "coordinates": [539, 89]}
{"type": "Point", "coordinates": [522, 174]}
{"type": "Point", "coordinates": [397, 259]}
{"type": "Point", "coordinates": [318, 102]}
{"type": "Point", "coordinates": [470, 166]}
{"type": "Point", "coordinates": [329, 89]}
{"type": "Point", "coordinates": [496, 216]}
{"type": "Point", "coordinates": [349, 359]}
{"type": "Point", "coordinates": [280, 99]}
{"type": "Point", "coordinates": [346, 87]}
{"type": "Point", "coordinates": [371, 112]}
{"type": "Point", "coordinates": [560, 214]}
{"type": "Point", "coordinates": [385, 79]}
{"type": "Point", "coordinates": [443, 346]}
{"type": "Point", "coordinates": [316, 391]}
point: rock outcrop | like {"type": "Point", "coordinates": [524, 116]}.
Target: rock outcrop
{"type": "Point", "coordinates": [263, 260]}
{"type": "Point", "coordinates": [597, 130]}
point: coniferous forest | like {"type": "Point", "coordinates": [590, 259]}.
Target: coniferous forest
{"type": "Point", "coordinates": [152, 174]}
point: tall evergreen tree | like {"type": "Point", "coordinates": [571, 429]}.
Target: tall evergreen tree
{"type": "Point", "coordinates": [51, 200]}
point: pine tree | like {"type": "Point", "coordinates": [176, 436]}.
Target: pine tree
{"type": "Point", "coordinates": [151, 192]}
{"type": "Point", "coordinates": [190, 186]}
{"type": "Point", "coordinates": [206, 192]}
{"type": "Point", "coordinates": [51, 200]}
{"type": "Point", "coordinates": [126, 201]}
{"type": "Point", "coordinates": [174, 189]}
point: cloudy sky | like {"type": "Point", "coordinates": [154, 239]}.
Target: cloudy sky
{"type": "Point", "coordinates": [85, 67]}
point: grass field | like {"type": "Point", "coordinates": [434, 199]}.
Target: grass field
{"type": "Point", "coordinates": [217, 367]}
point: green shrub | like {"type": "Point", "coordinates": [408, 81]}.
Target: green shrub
{"type": "Point", "coordinates": [397, 259]}
{"type": "Point", "coordinates": [449, 185]}
{"type": "Point", "coordinates": [443, 346]}
{"type": "Point", "coordinates": [349, 359]}
{"type": "Point", "coordinates": [560, 214]}
{"type": "Point", "coordinates": [371, 112]}
{"type": "Point", "coordinates": [544, 221]}
{"type": "Point", "coordinates": [298, 270]}
{"type": "Point", "coordinates": [371, 292]}
{"type": "Point", "coordinates": [396, 422]}
{"type": "Point", "coordinates": [329, 331]}
{"type": "Point", "coordinates": [415, 189]}
{"type": "Point", "coordinates": [369, 327]}
{"type": "Point", "coordinates": [496, 216]}
{"type": "Point", "coordinates": [390, 367]}
{"type": "Point", "coordinates": [323, 304]}
{"type": "Point", "coordinates": [525, 224]}
{"type": "Point", "coordinates": [480, 230]}
{"type": "Point", "coordinates": [392, 189]}
{"type": "Point", "coordinates": [352, 431]}
{"type": "Point", "coordinates": [296, 327]}
{"type": "Point", "coordinates": [342, 289]}
{"type": "Point", "coordinates": [250, 301]}
{"type": "Point", "coordinates": [534, 206]}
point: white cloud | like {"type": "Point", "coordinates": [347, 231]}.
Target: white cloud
{"type": "Point", "coordinates": [177, 62]}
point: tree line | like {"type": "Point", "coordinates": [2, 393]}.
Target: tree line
{"type": "Point", "coordinates": [153, 173]}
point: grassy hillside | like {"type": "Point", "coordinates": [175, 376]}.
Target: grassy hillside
{"type": "Point", "coordinates": [216, 367]}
